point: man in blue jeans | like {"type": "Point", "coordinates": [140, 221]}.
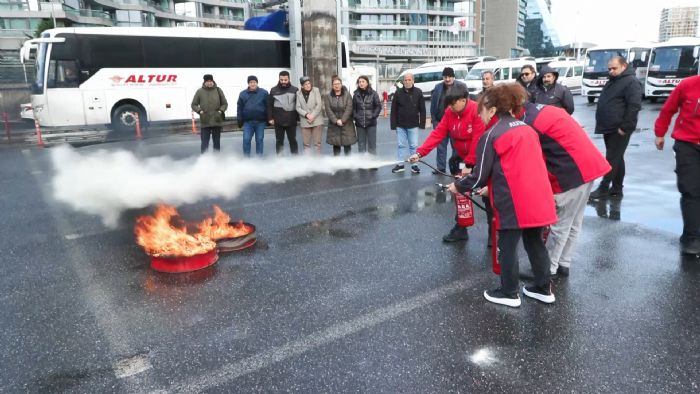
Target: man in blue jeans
{"type": "Point", "coordinates": [252, 115]}
{"type": "Point", "coordinates": [407, 116]}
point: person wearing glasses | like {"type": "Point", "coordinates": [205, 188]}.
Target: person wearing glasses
{"type": "Point", "coordinates": [527, 80]}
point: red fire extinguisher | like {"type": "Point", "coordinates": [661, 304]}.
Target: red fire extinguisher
{"type": "Point", "coordinates": [465, 210]}
{"type": "Point", "coordinates": [495, 264]}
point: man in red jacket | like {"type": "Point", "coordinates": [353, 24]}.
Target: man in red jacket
{"type": "Point", "coordinates": [462, 124]}
{"type": "Point", "coordinates": [573, 163]}
{"type": "Point", "coordinates": [686, 131]}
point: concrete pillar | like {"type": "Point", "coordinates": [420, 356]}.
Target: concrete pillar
{"type": "Point", "coordinates": [320, 42]}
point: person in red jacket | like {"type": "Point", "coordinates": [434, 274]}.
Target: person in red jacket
{"type": "Point", "coordinates": [686, 131]}
{"type": "Point", "coordinates": [510, 167]}
{"type": "Point", "coordinates": [573, 163]}
{"type": "Point", "coordinates": [461, 122]}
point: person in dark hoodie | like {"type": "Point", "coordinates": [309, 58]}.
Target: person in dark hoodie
{"type": "Point", "coordinates": [551, 92]}
{"type": "Point", "coordinates": [252, 114]}
{"type": "Point", "coordinates": [282, 113]}
{"type": "Point", "coordinates": [616, 118]}
{"type": "Point", "coordinates": [366, 108]}
{"type": "Point", "coordinates": [437, 110]}
{"type": "Point", "coordinates": [210, 103]}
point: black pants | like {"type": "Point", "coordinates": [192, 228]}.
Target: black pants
{"type": "Point", "coordinates": [336, 150]}
{"type": "Point", "coordinates": [291, 132]}
{"type": "Point", "coordinates": [688, 176]}
{"type": "Point", "coordinates": [507, 256]}
{"type": "Point", "coordinates": [615, 147]}
{"type": "Point", "coordinates": [215, 134]}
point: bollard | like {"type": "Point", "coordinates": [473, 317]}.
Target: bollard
{"type": "Point", "coordinates": [138, 127]}
{"type": "Point", "coordinates": [8, 131]}
{"type": "Point", "coordinates": [194, 124]}
{"type": "Point", "coordinates": [39, 140]}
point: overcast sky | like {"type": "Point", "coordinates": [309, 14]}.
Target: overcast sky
{"type": "Point", "coordinates": [602, 21]}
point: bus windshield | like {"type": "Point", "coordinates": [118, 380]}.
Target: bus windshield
{"type": "Point", "coordinates": [678, 61]}
{"type": "Point", "coordinates": [40, 66]}
{"type": "Point", "coordinates": [597, 61]}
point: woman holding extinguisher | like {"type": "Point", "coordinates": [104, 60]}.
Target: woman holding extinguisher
{"type": "Point", "coordinates": [462, 123]}
{"type": "Point", "coordinates": [510, 168]}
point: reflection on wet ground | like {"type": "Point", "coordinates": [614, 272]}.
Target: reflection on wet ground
{"type": "Point", "coordinates": [350, 223]}
{"type": "Point", "coordinates": [608, 208]}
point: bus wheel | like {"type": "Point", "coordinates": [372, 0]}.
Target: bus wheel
{"type": "Point", "coordinates": [591, 99]}
{"type": "Point", "coordinates": [124, 117]}
{"type": "Point", "coordinates": [653, 100]}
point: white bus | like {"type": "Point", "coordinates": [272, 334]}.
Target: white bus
{"type": "Point", "coordinates": [504, 70]}
{"type": "Point", "coordinates": [426, 78]}
{"type": "Point", "coordinates": [670, 62]}
{"type": "Point", "coordinates": [570, 73]}
{"type": "Point", "coordinates": [152, 71]}
{"type": "Point", "coordinates": [468, 61]}
{"type": "Point", "coordinates": [595, 71]}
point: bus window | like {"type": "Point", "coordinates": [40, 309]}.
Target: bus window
{"type": "Point", "coordinates": [578, 71]}
{"type": "Point", "coordinates": [516, 73]}
{"type": "Point", "coordinates": [63, 74]}
{"type": "Point", "coordinates": [570, 72]}
{"type": "Point", "coordinates": [506, 73]}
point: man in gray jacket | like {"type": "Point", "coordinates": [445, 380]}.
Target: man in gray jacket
{"type": "Point", "coordinates": [282, 113]}
{"type": "Point", "coordinates": [210, 103]}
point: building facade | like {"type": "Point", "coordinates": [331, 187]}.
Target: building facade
{"type": "Point", "coordinates": [541, 38]}
{"type": "Point", "coordinates": [679, 22]}
{"type": "Point", "coordinates": [504, 27]}
{"type": "Point", "coordinates": [20, 18]}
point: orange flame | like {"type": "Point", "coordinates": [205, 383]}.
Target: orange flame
{"type": "Point", "coordinates": [220, 227]}
{"type": "Point", "coordinates": [161, 238]}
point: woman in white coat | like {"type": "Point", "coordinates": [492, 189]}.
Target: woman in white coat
{"type": "Point", "coordinates": [310, 109]}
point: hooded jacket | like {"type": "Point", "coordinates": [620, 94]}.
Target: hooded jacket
{"type": "Point", "coordinates": [509, 161]}
{"type": "Point", "coordinates": [619, 103]}
{"type": "Point", "coordinates": [281, 105]}
{"type": "Point", "coordinates": [464, 130]}
{"type": "Point", "coordinates": [686, 99]}
{"type": "Point", "coordinates": [408, 109]}
{"type": "Point", "coordinates": [210, 104]}
{"type": "Point", "coordinates": [572, 159]}
{"type": "Point", "coordinates": [557, 94]}
{"type": "Point", "coordinates": [366, 107]}
{"type": "Point", "coordinates": [530, 87]}
{"type": "Point", "coordinates": [252, 105]}
{"type": "Point", "coordinates": [339, 107]}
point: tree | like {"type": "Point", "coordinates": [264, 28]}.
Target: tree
{"type": "Point", "coordinates": [45, 24]}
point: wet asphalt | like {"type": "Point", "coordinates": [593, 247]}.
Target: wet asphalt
{"type": "Point", "coordinates": [348, 289]}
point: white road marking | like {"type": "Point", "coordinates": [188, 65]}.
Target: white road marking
{"type": "Point", "coordinates": [131, 366]}
{"type": "Point", "coordinates": [249, 365]}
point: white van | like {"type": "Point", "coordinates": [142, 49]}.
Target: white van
{"type": "Point", "coordinates": [506, 70]}
{"type": "Point", "coordinates": [468, 61]}
{"type": "Point", "coordinates": [570, 74]}
{"type": "Point", "coordinates": [426, 78]}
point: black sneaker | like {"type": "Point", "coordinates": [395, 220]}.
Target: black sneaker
{"type": "Point", "coordinates": [539, 293]}
{"type": "Point", "coordinates": [415, 169]}
{"type": "Point", "coordinates": [615, 193]}
{"type": "Point", "coordinates": [691, 247]}
{"type": "Point", "coordinates": [456, 234]}
{"type": "Point", "coordinates": [562, 271]}
{"type": "Point", "coordinates": [397, 168]}
{"type": "Point", "coordinates": [497, 297]}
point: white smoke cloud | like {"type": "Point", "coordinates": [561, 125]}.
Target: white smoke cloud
{"type": "Point", "coordinates": [106, 183]}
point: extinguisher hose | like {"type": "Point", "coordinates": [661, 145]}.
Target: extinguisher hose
{"type": "Point", "coordinates": [483, 208]}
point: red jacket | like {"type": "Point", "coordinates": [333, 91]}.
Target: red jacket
{"type": "Point", "coordinates": [686, 97]}
{"type": "Point", "coordinates": [464, 130]}
{"type": "Point", "coordinates": [570, 155]}
{"type": "Point", "coordinates": [509, 161]}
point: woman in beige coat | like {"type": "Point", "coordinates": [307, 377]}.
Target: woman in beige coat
{"type": "Point", "coordinates": [310, 109]}
{"type": "Point", "coordinates": [341, 129]}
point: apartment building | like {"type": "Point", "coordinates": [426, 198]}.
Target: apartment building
{"type": "Point", "coordinates": [679, 22]}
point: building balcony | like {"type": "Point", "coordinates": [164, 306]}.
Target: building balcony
{"type": "Point", "coordinates": [394, 25]}
{"type": "Point", "coordinates": [404, 9]}
{"type": "Point", "coordinates": [59, 11]}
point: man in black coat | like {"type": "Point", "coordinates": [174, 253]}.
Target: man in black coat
{"type": "Point", "coordinates": [616, 119]}
{"type": "Point", "coordinates": [549, 91]}
{"type": "Point", "coordinates": [407, 116]}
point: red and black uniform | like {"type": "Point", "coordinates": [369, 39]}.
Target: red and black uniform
{"type": "Point", "coordinates": [464, 130]}
{"type": "Point", "coordinates": [509, 161]}
{"type": "Point", "coordinates": [685, 99]}
{"type": "Point", "coordinates": [571, 158]}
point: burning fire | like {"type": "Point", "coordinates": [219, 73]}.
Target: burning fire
{"type": "Point", "coordinates": [161, 235]}
{"type": "Point", "coordinates": [220, 228]}
{"type": "Point", "coordinates": [161, 238]}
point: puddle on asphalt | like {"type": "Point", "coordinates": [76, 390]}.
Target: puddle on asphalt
{"type": "Point", "coordinates": [350, 224]}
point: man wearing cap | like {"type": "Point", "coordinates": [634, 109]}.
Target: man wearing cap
{"type": "Point", "coordinates": [437, 110]}
{"type": "Point", "coordinates": [282, 113]}
{"type": "Point", "coordinates": [252, 115]}
{"type": "Point", "coordinates": [210, 103]}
